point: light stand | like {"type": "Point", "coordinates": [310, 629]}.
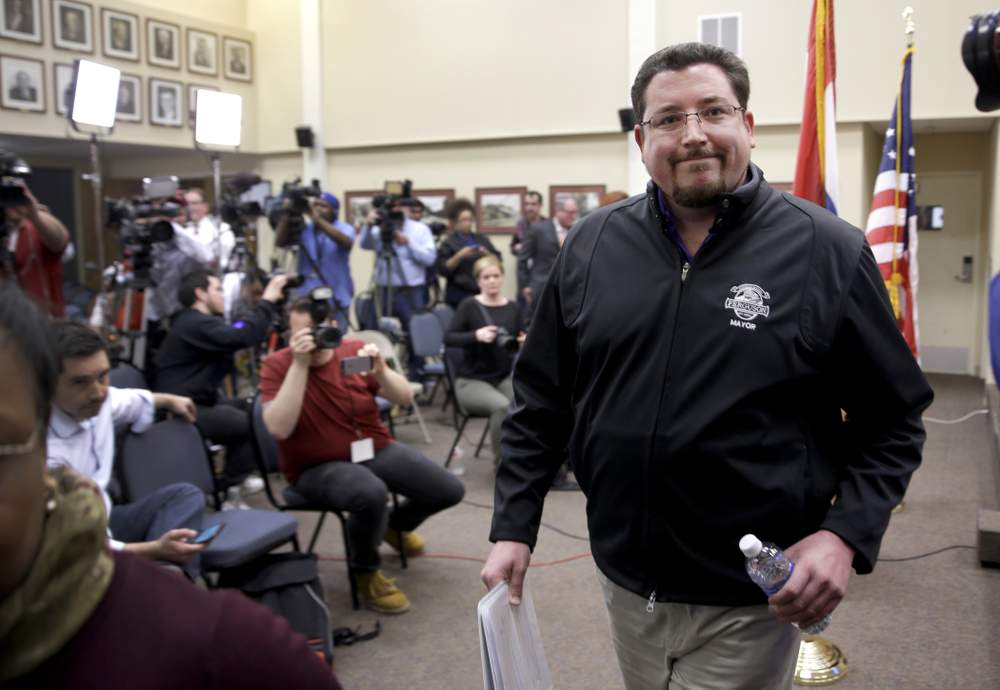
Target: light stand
{"type": "Point", "coordinates": [95, 99]}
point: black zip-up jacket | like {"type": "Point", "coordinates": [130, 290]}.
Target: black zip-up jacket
{"type": "Point", "coordinates": [197, 353]}
{"type": "Point", "coordinates": [698, 401]}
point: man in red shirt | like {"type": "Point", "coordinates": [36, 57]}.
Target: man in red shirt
{"type": "Point", "coordinates": [36, 239]}
{"type": "Point", "coordinates": [335, 451]}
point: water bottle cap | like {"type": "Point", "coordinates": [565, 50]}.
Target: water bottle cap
{"type": "Point", "coordinates": [750, 546]}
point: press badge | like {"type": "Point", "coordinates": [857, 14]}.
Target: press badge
{"type": "Point", "coordinates": [362, 450]}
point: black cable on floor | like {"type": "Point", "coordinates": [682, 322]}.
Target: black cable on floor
{"type": "Point", "coordinates": [544, 524]}
{"type": "Point", "coordinates": [925, 555]}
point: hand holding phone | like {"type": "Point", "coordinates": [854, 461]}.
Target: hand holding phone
{"type": "Point", "coordinates": [208, 534]}
{"type": "Point", "coordinates": [356, 365]}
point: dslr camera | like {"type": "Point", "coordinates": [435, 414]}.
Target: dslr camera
{"type": "Point", "coordinates": [13, 174]}
{"type": "Point", "coordinates": [326, 337]}
{"type": "Point", "coordinates": [506, 341]}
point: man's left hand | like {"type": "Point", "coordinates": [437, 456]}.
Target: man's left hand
{"type": "Point", "coordinates": [822, 568]}
{"type": "Point", "coordinates": [401, 239]}
{"type": "Point", "coordinates": [180, 406]}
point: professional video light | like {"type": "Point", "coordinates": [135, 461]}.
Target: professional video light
{"type": "Point", "coordinates": [218, 117]}
{"type": "Point", "coordinates": [95, 94]}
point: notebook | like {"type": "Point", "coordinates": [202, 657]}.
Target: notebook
{"type": "Point", "coordinates": [510, 643]}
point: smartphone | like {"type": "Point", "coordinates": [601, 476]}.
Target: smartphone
{"type": "Point", "coordinates": [355, 365]}
{"type": "Point", "coordinates": [207, 535]}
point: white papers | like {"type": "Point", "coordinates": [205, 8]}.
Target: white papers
{"type": "Point", "coordinates": [510, 643]}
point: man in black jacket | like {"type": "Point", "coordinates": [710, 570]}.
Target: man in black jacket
{"type": "Point", "coordinates": [196, 357]}
{"type": "Point", "coordinates": [715, 358]}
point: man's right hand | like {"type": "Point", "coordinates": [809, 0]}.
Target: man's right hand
{"type": "Point", "coordinates": [508, 561]}
{"type": "Point", "coordinates": [174, 547]}
{"type": "Point", "coordinates": [275, 290]}
{"type": "Point", "coordinates": [528, 294]}
{"type": "Point", "coordinates": [303, 345]}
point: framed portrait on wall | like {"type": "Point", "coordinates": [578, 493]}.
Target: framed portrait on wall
{"type": "Point", "coordinates": [202, 52]}
{"type": "Point", "coordinates": [62, 83]}
{"type": "Point", "coordinates": [357, 205]}
{"type": "Point", "coordinates": [237, 59]}
{"type": "Point", "coordinates": [163, 44]}
{"type": "Point", "coordinates": [435, 203]}
{"type": "Point", "coordinates": [193, 98]}
{"type": "Point", "coordinates": [22, 84]}
{"type": "Point", "coordinates": [165, 103]}
{"type": "Point", "coordinates": [73, 26]}
{"type": "Point", "coordinates": [119, 35]}
{"type": "Point", "coordinates": [498, 208]}
{"type": "Point", "coordinates": [21, 20]}
{"type": "Point", "coordinates": [129, 107]}
{"type": "Point", "coordinates": [587, 196]}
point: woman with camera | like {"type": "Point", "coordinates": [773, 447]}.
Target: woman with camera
{"type": "Point", "coordinates": [459, 251]}
{"type": "Point", "coordinates": [487, 327]}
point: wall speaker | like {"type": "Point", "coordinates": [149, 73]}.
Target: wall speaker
{"type": "Point", "coordinates": [304, 137]}
{"type": "Point", "coordinates": [627, 118]}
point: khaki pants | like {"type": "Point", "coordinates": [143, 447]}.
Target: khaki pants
{"type": "Point", "coordinates": [688, 647]}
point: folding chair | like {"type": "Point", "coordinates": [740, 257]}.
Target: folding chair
{"type": "Point", "coordinates": [444, 314]}
{"type": "Point", "coordinates": [266, 455]}
{"type": "Point", "coordinates": [174, 451]}
{"type": "Point", "coordinates": [452, 362]}
{"type": "Point", "coordinates": [385, 347]}
{"type": "Point", "coordinates": [427, 338]}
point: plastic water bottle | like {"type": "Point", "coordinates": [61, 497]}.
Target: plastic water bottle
{"type": "Point", "coordinates": [770, 568]}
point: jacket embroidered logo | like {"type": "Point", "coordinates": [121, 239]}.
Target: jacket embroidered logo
{"type": "Point", "coordinates": [747, 303]}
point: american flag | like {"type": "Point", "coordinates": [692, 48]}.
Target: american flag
{"type": "Point", "coordinates": [892, 222]}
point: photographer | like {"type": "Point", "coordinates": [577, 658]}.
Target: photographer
{"type": "Point", "coordinates": [34, 242]}
{"type": "Point", "coordinates": [196, 357]}
{"type": "Point", "coordinates": [459, 252]}
{"type": "Point", "coordinates": [219, 239]}
{"type": "Point", "coordinates": [336, 452]}
{"type": "Point", "coordinates": [488, 328]}
{"type": "Point", "coordinates": [324, 250]}
{"type": "Point", "coordinates": [403, 259]}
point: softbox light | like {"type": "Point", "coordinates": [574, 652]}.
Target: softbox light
{"type": "Point", "coordinates": [95, 94]}
{"type": "Point", "coordinates": [218, 117]}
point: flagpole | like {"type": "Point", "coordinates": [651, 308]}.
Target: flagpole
{"type": "Point", "coordinates": [893, 285]}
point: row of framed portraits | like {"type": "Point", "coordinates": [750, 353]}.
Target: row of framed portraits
{"type": "Point", "coordinates": [120, 37]}
{"type": "Point", "coordinates": [22, 87]}
{"type": "Point", "coordinates": [497, 208]}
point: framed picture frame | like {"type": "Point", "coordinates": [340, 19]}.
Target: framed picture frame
{"type": "Point", "coordinates": [192, 100]}
{"type": "Point", "coordinates": [166, 102]}
{"type": "Point", "coordinates": [237, 59]}
{"type": "Point", "coordinates": [435, 203]}
{"type": "Point", "coordinates": [73, 26]}
{"type": "Point", "coordinates": [129, 107]}
{"type": "Point", "coordinates": [588, 196]}
{"type": "Point", "coordinates": [21, 20]}
{"type": "Point", "coordinates": [357, 204]}
{"type": "Point", "coordinates": [22, 84]}
{"type": "Point", "coordinates": [62, 87]}
{"type": "Point", "coordinates": [202, 52]}
{"type": "Point", "coordinates": [163, 44]}
{"type": "Point", "coordinates": [498, 208]}
{"type": "Point", "coordinates": [119, 35]}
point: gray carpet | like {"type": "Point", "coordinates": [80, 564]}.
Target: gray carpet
{"type": "Point", "coordinates": [930, 623]}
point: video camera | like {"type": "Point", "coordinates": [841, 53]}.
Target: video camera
{"type": "Point", "coordinates": [390, 220]}
{"type": "Point", "coordinates": [13, 174]}
{"type": "Point", "coordinates": [298, 196]}
{"type": "Point", "coordinates": [233, 210]}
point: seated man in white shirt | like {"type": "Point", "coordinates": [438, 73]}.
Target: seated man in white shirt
{"type": "Point", "coordinates": [82, 435]}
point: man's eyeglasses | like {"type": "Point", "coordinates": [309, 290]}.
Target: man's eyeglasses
{"type": "Point", "coordinates": [714, 115]}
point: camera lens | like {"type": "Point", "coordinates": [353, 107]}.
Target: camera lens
{"type": "Point", "coordinates": [327, 337]}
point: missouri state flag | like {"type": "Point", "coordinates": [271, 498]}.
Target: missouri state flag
{"type": "Point", "coordinates": [816, 167]}
{"type": "Point", "coordinates": [892, 221]}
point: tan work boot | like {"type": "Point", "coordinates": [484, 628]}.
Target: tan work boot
{"type": "Point", "coordinates": [412, 542]}
{"type": "Point", "coordinates": [381, 593]}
